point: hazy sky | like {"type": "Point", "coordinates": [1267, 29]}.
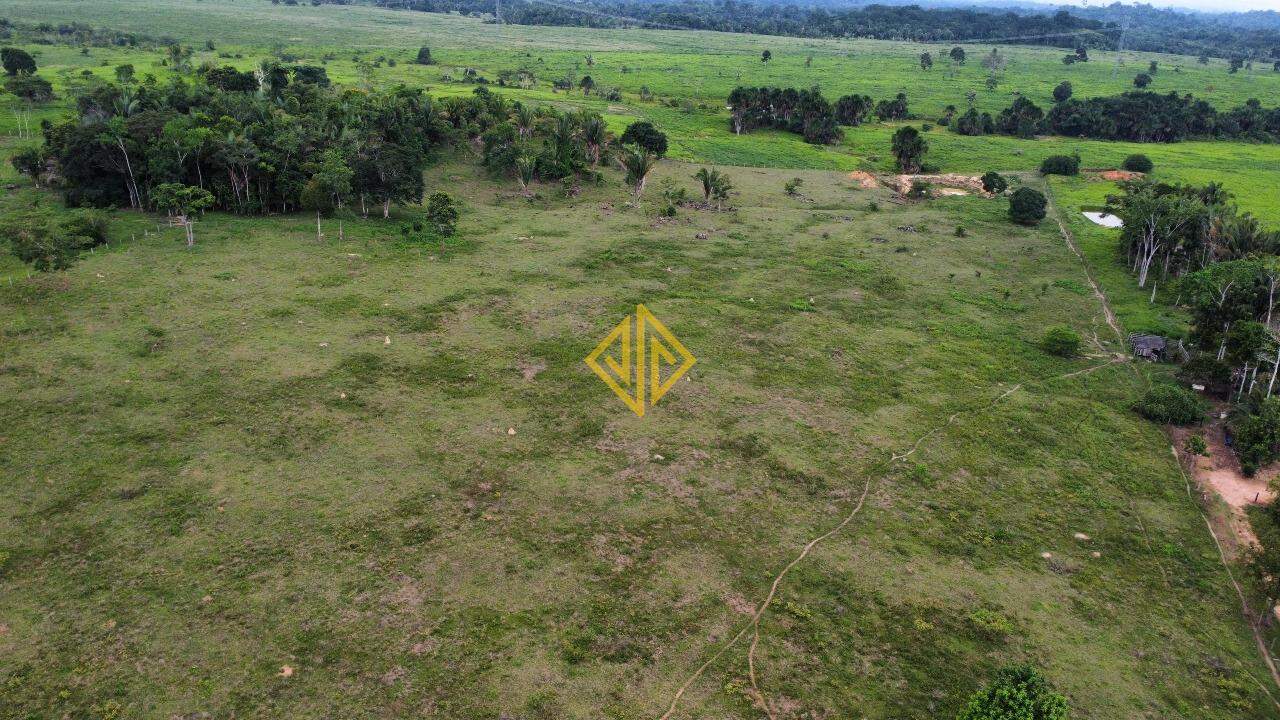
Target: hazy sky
{"type": "Point", "coordinates": [1198, 4]}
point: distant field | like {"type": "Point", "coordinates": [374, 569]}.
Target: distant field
{"type": "Point", "coordinates": [698, 69]}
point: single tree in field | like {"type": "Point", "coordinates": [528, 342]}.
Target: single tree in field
{"type": "Point", "coordinates": [1082, 54]}
{"type": "Point", "coordinates": [424, 56]}
{"type": "Point", "coordinates": [442, 214]}
{"type": "Point", "coordinates": [926, 61]}
{"type": "Point", "coordinates": [644, 134]}
{"type": "Point", "coordinates": [766, 56]}
{"type": "Point", "coordinates": [1153, 68]}
{"type": "Point", "coordinates": [957, 55]}
{"type": "Point", "coordinates": [124, 74]}
{"type": "Point", "coordinates": [720, 188]}
{"type": "Point", "coordinates": [707, 177]}
{"type": "Point", "coordinates": [1141, 80]}
{"type": "Point", "coordinates": [17, 60]}
{"type": "Point", "coordinates": [1063, 91]}
{"type": "Point", "coordinates": [1027, 206]}
{"type": "Point", "coordinates": [181, 201]}
{"type": "Point", "coordinates": [638, 163]}
{"type": "Point", "coordinates": [586, 84]}
{"type": "Point", "coordinates": [909, 148]}
{"type": "Point", "coordinates": [1017, 693]}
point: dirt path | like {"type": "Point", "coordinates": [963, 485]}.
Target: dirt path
{"type": "Point", "coordinates": [753, 625]}
{"type": "Point", "coordinates": [1232, 486]}
{"type": "Point", "coordinates": [1220, 473]}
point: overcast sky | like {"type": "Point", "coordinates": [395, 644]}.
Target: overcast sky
{"type": "Point", "coordinates": [1197, 4]}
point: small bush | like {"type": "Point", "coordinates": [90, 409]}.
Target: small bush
{"type": "Point", "coordinates": [1061, 341]}
{"type": "Point", "coordinates": [1138, 163]}
{"type": "Point", "coordinates": [1060, 165]}
{"type": "Point", "coordinates": [1027, 206]}
{"type": "Point", "coordinates": [792, 186]}
{"type": "Point", "coordinates": [1171, 404]}
{"type": "Point", "coordinates": [994, 183]}
{"type": "Point", "coordinates": [1016, 693]}
{"type": "Point", "coordinates": [1196, 445]}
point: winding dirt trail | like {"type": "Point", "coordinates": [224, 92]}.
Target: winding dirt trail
{"type": "Point", "coordinates": [753, 625]}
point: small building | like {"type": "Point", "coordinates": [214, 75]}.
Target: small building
{"type": "Point", "coordinates": [1157, 348]}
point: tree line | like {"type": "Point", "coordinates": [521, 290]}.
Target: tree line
{"type": "Point", "coordinates": [807, 112]}
{"type": "Point", "coordinates": [1136, 116]}
{"type": "Point", "coordinates": [902, 22]}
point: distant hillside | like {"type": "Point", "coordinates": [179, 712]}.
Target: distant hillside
{"type": "Point", "coordinates": [1254, 35]}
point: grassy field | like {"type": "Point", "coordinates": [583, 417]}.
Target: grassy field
{"type": "Point", "coordinates": [276, 476]}
{"type": "Point", "coordinates": [218, 467]}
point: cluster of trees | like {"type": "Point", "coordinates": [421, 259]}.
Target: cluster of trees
{"type": "Point", "coordinates": [807, 112]}
{"type": "Point", "coordinates": [21, 79]}
{"type": "Point", "coordinates": [804, 112]}
{"type": "Point", "coordinates": [1136, 116]}
{"type": "Point", "coordinates": [1223, 266]}
{"type": "Point", "coordinates": [529, 143]}
{"type": "Point", "coordinates": [275, 140]}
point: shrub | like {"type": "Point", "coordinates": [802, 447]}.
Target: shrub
{"type": "Point", "coordinates": [1060, 165]}
{"type": "Point", "coordinates": [1196, 445]}
{"type": "Point", "coordinates": [1027, 206]}
{"type": "Point", "coordinates": [919, 190]}
{"type": "Point", "coordinates": [994, 183]}
{"type": "Point", "coordinates": [91, 224]}
{"type": "Point", "coordinates": [1257, 437]}
{"type": "Point", "coordinates": [1061, 341]}
{"type": "Point", "coordinates": [1016, 693]}
{"type": "Point", "coordinates": [792, 186]}
{"type": "Point", "coordinates": [1138, 163]}
{"type": "Point", "coordinates": [1171, 404]}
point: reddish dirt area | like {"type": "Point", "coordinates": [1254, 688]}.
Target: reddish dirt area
{"type": "Point", "coordinates": [865, 180]}
{"type": "Point", "coordinates": [967, 183]}
{"type": "Point", "coordinates": [1220, 473]}
{"type": "Point", "coordinates": [1115, 175]}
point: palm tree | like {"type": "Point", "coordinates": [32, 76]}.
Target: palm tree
{"type": "Point", "coordinates": [637, 163]}
{"type": "Point", "coordinates": [525, 119]}
{"type": "Point", "coordinates": [593, 134]}
{"type": "Point", "coordinates": [708, 180]}
{"type": "Point", "coordinates": [525, 166]}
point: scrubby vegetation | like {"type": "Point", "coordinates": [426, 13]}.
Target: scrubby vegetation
{"type": "Point", "coordinates": [1166, 403]}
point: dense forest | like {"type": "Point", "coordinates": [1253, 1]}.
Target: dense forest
{"type": "Point", "coordinates": [1254, 36]}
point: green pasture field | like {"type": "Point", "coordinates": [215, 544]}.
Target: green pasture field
{"type": "Point", "coordinates": [282, 476]}
{"type": "Point", "coordinates": [217, 466]}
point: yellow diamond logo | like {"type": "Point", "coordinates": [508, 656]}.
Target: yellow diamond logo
{"type": "Point", "coordinates": [620, 363]}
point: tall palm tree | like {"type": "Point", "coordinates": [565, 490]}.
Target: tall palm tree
{"type": "Point", "coordinates": [708, 180]}
{"type": "Point", "coordinates": [593, 134]}
{"type": "Point", "coordinates": [637, 163]}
